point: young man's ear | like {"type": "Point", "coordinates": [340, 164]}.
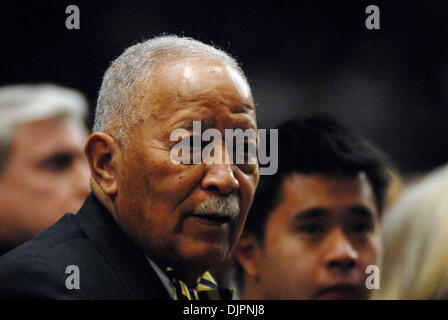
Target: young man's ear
{"type": "Point", "coordinates": [102, 152]}
{"type": "Point", "coordinates": [247, 251]}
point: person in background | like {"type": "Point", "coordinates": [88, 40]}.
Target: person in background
{"type": "Point", "coordinates": [415, 234]}
{"type": "Point", "coordinates": [313, 228]}
{"type": "Point", "coordinates": [43, 170]}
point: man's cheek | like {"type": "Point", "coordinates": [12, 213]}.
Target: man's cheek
{"type": "Point", "coordinates": [247, 191]}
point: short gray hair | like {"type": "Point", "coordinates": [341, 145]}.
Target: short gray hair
{"type": "Point", "coordinates": [32, 102]}
{"type": "Point", "coordinates": [120, 88]}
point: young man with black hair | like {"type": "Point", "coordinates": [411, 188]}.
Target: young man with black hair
{"type": "Point", "coordinates": [314, 227]}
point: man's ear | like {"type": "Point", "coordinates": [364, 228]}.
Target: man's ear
{"type": "Point", "coordinates": [248, 253]}
{"type": "Point", "coordinates": [102, 152]}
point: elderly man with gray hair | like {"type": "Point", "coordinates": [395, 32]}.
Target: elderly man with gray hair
{"type": "Point", "coordinates": [43, 170]}
{"type": "Point", "coordinates": [152, 227]}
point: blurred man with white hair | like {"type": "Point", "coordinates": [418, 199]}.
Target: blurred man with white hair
{"type": "Point", "coordinates": [153, 226]}
{"type": "Point", "coordinates": [43, 170]}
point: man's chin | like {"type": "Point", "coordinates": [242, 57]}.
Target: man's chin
{"type": "Point", "coordinates": [203, 255]}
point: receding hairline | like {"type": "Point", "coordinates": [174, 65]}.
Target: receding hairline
{"type": "Point", "coordinates": [133, 71]}
{"type": "Point", "coordinates": [156, 71]}
{"type": "Point", "coordinates": [147, 87]}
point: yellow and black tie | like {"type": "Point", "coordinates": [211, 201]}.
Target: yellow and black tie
{"type": "Point", "coordinates": [206, 288]}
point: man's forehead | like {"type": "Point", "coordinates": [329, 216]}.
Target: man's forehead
{"type": "Point", "coordinates": [357, 180]}
{"type": "Point", "coordinates": [319, 189]}
{"type": "Point", "coordinates": [190, 68]}
{"type": "Point", "coordinates": [49, 135]}
{"type": "Point", "coordinates": [179, 87]}
{"type": "Point", "coordinates": [186, 75]}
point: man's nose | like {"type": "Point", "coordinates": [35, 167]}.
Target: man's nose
{"type": "Point", "coordinates": [220, 177]}
{"type": "Point", "coordinates": [340, 255]}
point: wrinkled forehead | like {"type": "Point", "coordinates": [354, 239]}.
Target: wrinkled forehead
{"type": "Point", "coordinates": [186, 77]}
{"type": "Point", "coordinates": [190, 86]}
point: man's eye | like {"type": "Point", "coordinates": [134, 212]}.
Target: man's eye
{"type": "Point", "coordinates": [196, 144]}
{"type": "Point", "coordinates": [245, 151]}
{"type": "Point", "coordinates": [58, 162]}
{"type": "Point", "coordinates": [362, 227]}
{"type": "Point", "coordinates": [312, 229]}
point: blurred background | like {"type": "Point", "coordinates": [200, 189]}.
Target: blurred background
{"type": "Point", "coordinates": [301, 58]}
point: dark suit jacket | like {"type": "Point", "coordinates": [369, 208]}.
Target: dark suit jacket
{"type": "Point", "coordinates": [110, 265]}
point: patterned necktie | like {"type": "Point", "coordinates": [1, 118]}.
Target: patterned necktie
{"type": "Point", "coordinates": [206, 288]}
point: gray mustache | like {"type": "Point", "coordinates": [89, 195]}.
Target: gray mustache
{"type": "Point", "coordinates": [227, 206]}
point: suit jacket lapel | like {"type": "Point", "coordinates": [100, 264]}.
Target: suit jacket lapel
{"type": "Point", "coordinates": [125, 258]}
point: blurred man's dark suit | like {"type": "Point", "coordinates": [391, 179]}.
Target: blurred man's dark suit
{"type": "Point", "coordinates": [110, 265]}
